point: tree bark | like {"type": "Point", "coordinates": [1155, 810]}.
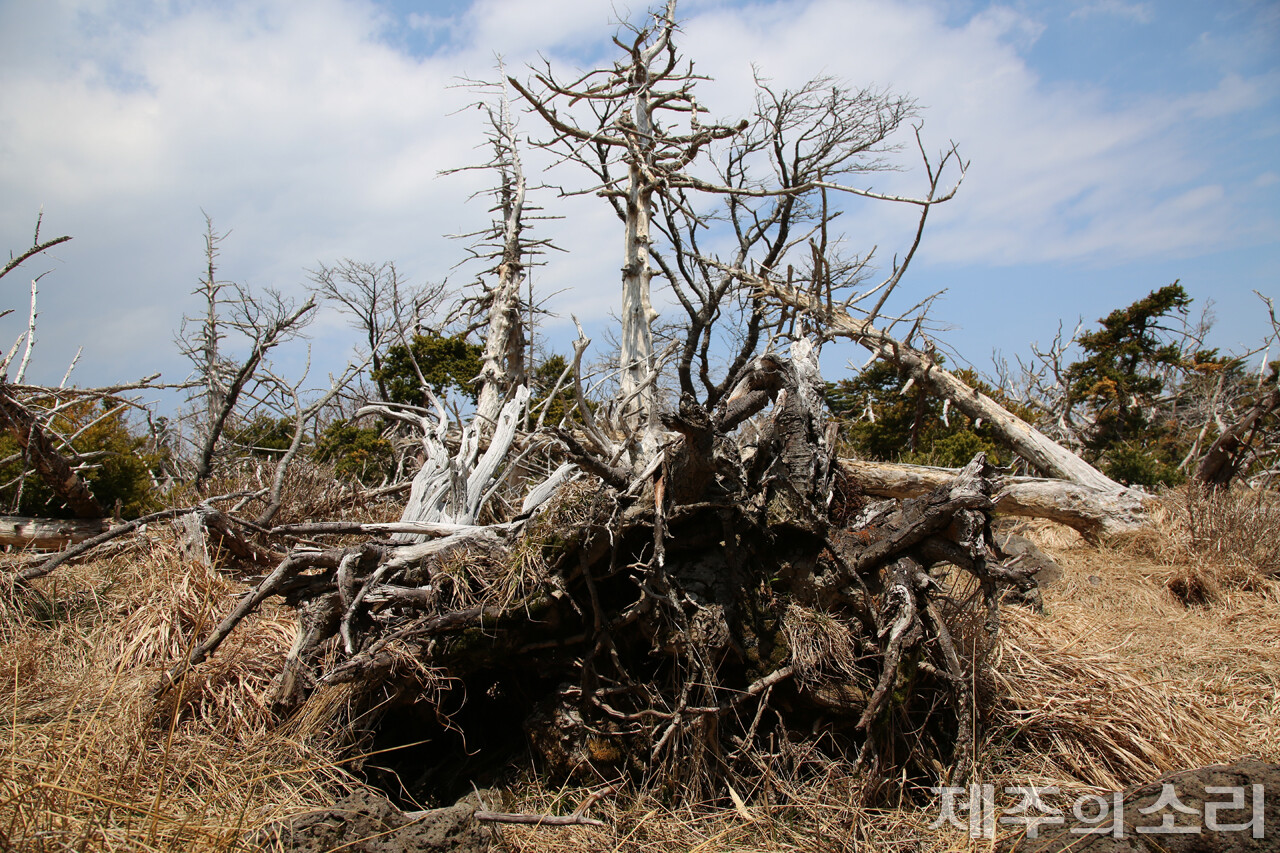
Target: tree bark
{"type": "Point", "coordinates": [44, 457]}
{"type": "Point", "coordinates": [637, 308]}
{"type": "Point", "coordinates": [503, 358]}
{"type": "Point", "coordinates": [1222, 461]}
{"type": "Point", "coordinates": [48, 533]}
{"type": "Point", "coordinates": [1093, 513]}
{"type": "Point", "coordinates": [452, 489]}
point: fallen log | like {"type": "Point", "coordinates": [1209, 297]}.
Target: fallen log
{"type": "Point", "coordinates": [1093, 512]}
{"type": "Point", "coordinates": [1044, 454]}
{"type": "Point", "coordinates": [47, 534]}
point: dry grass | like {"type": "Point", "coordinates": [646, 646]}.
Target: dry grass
{"type": "Point", "coordinates": [1122, 678]}
{"type": "Point", "coordinates": [1116, 682]}
{"type": "Point", "coordinates": [87, 762]}
{"type": "Point", "coordinates": [822, 817]}
{"type": "Point", "coordinates": [1212, 541]}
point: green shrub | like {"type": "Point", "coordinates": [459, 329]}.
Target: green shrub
{"type": "Point", "coordinates": [264, 436]}
{"type": "Point", "coordinates": [357, 453]}
{"type": "Point", "coordinates": [445, 362]}
{"type": "Point", "coordinates": [122, 465]}
{"type": "Point", "coordinates": [910, 428]}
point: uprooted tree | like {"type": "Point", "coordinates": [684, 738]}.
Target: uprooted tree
{"type": "Point", "coordinates": [682, 588]}
{"type": "Point", "coordinates": [685, 595]}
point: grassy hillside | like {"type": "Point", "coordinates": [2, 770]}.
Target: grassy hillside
{"type": "Point", "coordinates": [1157, 653]}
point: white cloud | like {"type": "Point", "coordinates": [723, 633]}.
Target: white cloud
{"type": "Point", "coordinates": [1058, 173]}
{"type": "Point", "coordinates": [305, 130]}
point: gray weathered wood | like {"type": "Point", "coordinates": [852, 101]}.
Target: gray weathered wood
{"type": "Point", "coordinates": [48, 533]}
{"type": "Point", "coordinates": [1092, 512]}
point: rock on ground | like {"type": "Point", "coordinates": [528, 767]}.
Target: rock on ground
{"type": "Point", "coordinates": [367, 823]}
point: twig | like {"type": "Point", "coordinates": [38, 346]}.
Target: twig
{"type": "Point", "coordinates": [52, 563]}
{"type": "Point", "coordinates": [34, 250]}
{"type": "Point", "coordinates": [578, 818]}
{"type": "Point", "coordinates": [291, 565]}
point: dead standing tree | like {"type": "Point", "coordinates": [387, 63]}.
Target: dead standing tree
{"type": "Point", "coordinates": [637, 107]}
{"type": "Point", "coordinates": [26, 426]}
{"type": "Point", "coordinates": [505, 244]}
{"type": "Point", "coordinates": [261, 322]}
{"type": "Point", "coordinates": [767, 186]}
{"type": "Point", "coordinates": [1248, 435]}
{"type": "Point", "coordinates": [381, 304]}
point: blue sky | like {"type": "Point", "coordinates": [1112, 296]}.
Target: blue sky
{"type": "Point", "coordinates": [1115, 146]}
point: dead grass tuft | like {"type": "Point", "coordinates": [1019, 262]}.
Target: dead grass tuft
{"type": "Point", "coordinates": [1119, 681]}
{"type": "Point", "coordinates": [824, 815]}
{"type": "Point", "coordinates": [1064, 712]}
{"type": "Point", "coordinates": [88, 762]}
{"type": "Point", "coordinates": [822, 647]}
{"type": "Point", "coordinates": [1230, 536]}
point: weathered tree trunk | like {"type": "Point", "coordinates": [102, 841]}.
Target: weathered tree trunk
{"type": "Point", "coordinates": [1044, 454]}
{"type": "Point", "coordinates": [1089, 511]}
{"type": "Point", "coordinates": [48, 533]}
{"type": "Point", "coordinates": [452, 488]}
{"type": "Point", "coordinates": [503, 357]}
{"type": "Point", "coordinates": [503, 366]}
{"type": "Point", "coordinates": [637, 308]}
{"type": "Point", "coordinates": [266, 337]}
{"type": "Point", "coordinates": [40, 452]}
{"type": "Point", "coordinates": [210, 330]}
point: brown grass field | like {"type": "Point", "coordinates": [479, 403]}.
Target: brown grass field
{"type": "Point", "coordinates": [1153, 654]}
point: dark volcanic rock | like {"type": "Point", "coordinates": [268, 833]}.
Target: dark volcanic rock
{"type": "Point", "coordinates": [1221, 830]}
{"type": "Point", "coordinates": [367, 823]}
{"type": "Point", "coordinates": [1023, 552]}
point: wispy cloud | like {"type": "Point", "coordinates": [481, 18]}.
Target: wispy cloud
{"type": "Point", "coordinates": [314, 135]}
{"type": "Point", "coordinates": [1139, 13]}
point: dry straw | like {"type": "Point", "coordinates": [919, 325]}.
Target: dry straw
{"type": "Point", "coordinates": [1116, 682]}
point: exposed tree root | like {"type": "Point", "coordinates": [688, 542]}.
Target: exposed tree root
{"type": "Point", "coordinates": [686, 628]}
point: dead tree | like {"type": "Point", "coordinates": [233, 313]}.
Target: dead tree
{"type": "Point", "coordinates": [381, 304]}
{"type": "Point", "coordinates": [1244, 435]}
{"type": "Point", "coordinates": [688, 603]}
{"type": "Point", "coordinates": [1228, 454]}
{"type": "Point", "coordinates": [31, 415]}
{"type": "Point", "coordinates": [40, 452]}
{"type": "Point", "coordinates": [37, 248]}
{"type": "Point", "coordinates": [1123, 507]}
{"type": "Point", "coordinates": [1093, 514]}
{"type": "Point", "coordinates": [259, 322]}
{"type": "Point", "coordinates": [682, 627]}
{"type": "Point", "coordinates": [202, 348]}
{"type": "Point", "coordinates": [636, 109]}
{"type": "Point", "coordinates": [820, 131]}
{"type": "Point", "coordinates": [500, 307]}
